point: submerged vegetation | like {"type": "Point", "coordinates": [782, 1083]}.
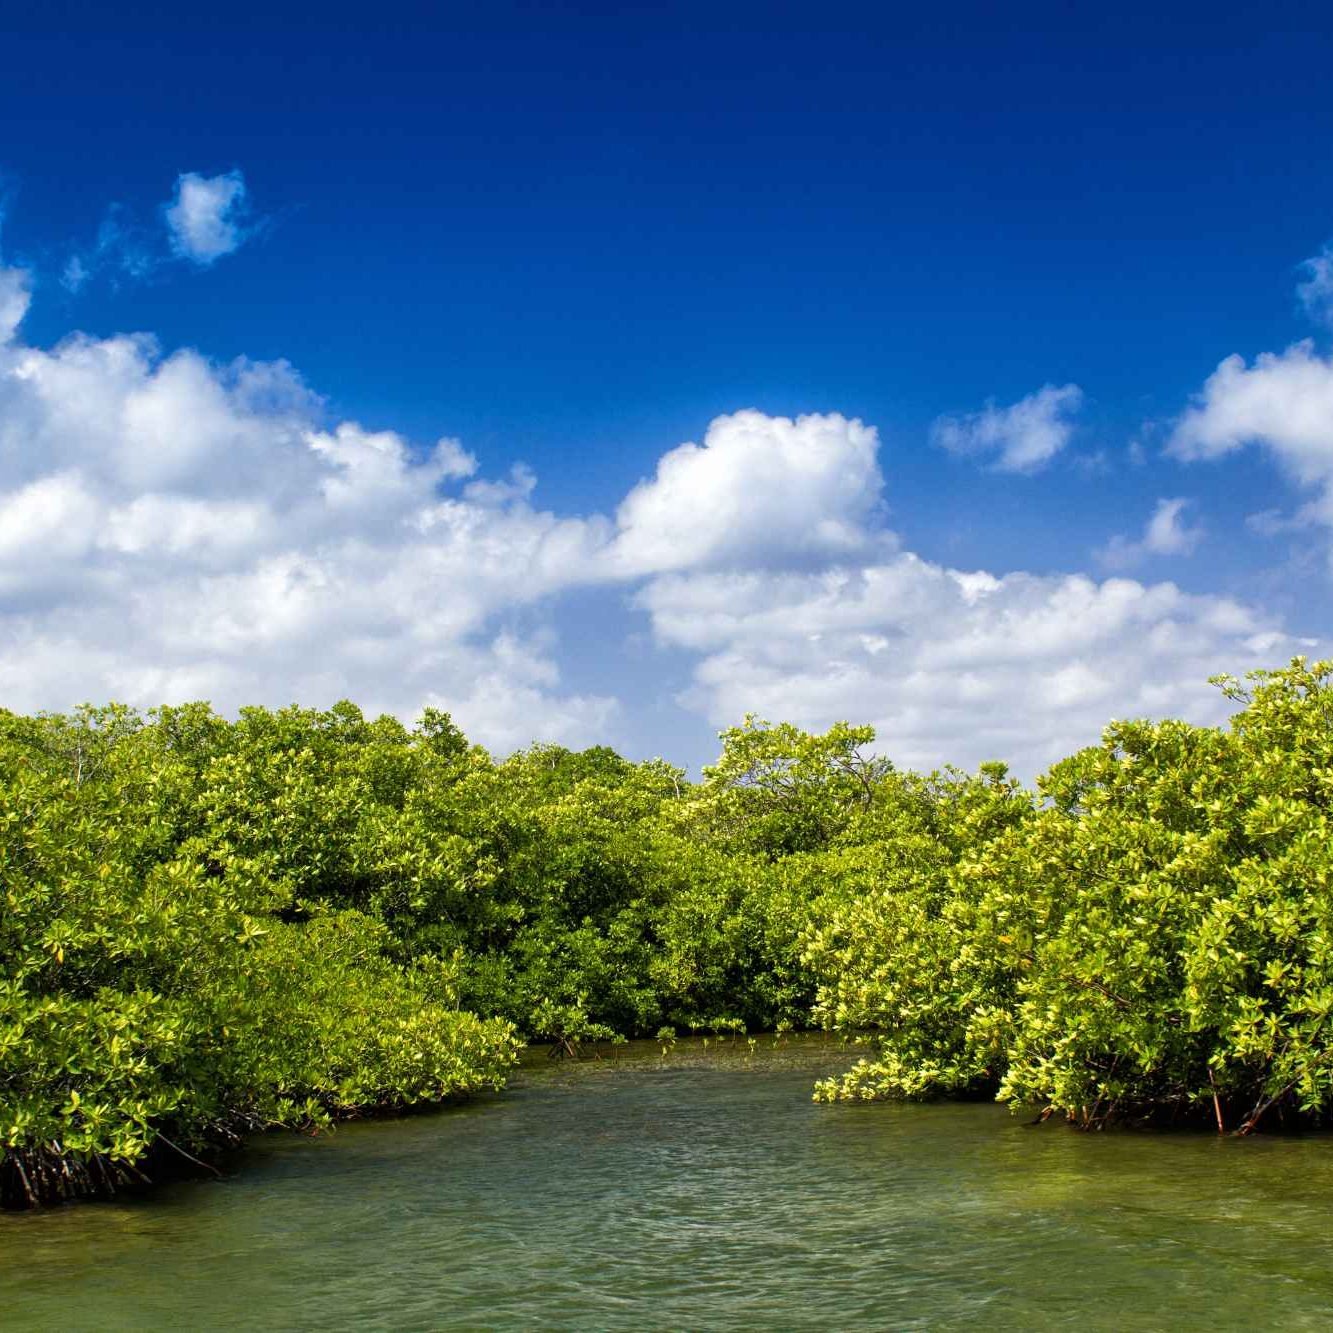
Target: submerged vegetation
{"type": "Point", "coordinates": [209, 927]}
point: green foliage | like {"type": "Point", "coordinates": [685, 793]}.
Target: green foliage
{"type": "Point", "coordinates": [152, 997]}
{"type": "Point", "coordinates": [1153, 940]}
{"type": "Point", "coordinates": [898, 955]}
{"type": "Point", "coordinates": [210, 927]}
{"type": "Point", "coordinates": [778, 789]}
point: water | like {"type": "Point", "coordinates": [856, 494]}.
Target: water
{"type": "Point", "coordinates": [702, 1190]}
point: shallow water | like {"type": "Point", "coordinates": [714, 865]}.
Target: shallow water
{"type": "Point", "coordinates": [702, 1190]}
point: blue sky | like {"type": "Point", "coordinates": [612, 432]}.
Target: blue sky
{"type": "Point", "coordinates": [569, 239]}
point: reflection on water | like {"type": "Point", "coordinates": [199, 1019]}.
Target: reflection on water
{"type": "Point", "coordinates": [699, 1190]}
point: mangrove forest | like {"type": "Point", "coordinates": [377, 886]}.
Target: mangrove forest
{"type": "Point", "coordinates": [213, 927]}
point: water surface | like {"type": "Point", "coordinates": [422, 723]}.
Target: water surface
{"type": "Point", "coordinates": [701, 1190]}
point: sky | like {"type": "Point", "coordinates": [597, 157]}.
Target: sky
{"type": "Point", "coordinates": [603, 374]}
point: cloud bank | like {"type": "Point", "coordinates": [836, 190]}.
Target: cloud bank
{"type": "Point", "coordinates": [952, 665]}
{"type": "Point", "coordinates": [172, 528]}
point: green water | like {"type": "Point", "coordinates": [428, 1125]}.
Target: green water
{"type": "Point", "coordinates": [699, 1191]}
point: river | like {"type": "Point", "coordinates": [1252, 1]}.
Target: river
{"type": "Point", "coordinates": [699, 1190]}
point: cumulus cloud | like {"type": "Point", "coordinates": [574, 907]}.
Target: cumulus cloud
{"type": "Point", "coordinates": [956, 666]}
{"type": "Point", "coordinates": [1166, 534]}
{"type": "Point", "coordinates": [172, 528]}
{"type": "Point", "coordinates": [205, 219]}
{"type": "Point", "coordinates": [1022, 437]}
{"type": "Point", "coordinates": [1282, 403]}
{"type": "Point", "coordinates": [758, 489]}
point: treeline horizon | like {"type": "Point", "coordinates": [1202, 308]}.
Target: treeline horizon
{"type": "Point", "coordinates": [212, 927]}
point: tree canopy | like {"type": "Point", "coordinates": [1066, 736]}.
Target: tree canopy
{"type": "Point", "coordinates": [215, 926]}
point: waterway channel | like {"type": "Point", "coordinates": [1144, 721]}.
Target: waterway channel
{"type": "Point", "coordinates": [700, 1189]}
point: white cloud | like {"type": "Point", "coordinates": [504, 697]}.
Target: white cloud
{"type": "Point", "coordinates": [956, 667]}
{"type": "Point", "coordinates": [205, 218]}
{"type": "Point", "coordinates": [519, 486]}
{"type": "Point", "coordinates": [1284, 404]}
{"type": "Point", "coordinates": [504, 703]}
{"type": "Point", "coordinates": [1166, 534]}
{"type": "Point", "coordinates": [758, 489]}
{"type": "Point", "coordinates": [1315, 289]}
{"type": "Point", "coordinates": [1022, 437]}
{"type": "Point", "coordinates": [15, 296]}
{"type": "Point", "coordinates": [174, 529]}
